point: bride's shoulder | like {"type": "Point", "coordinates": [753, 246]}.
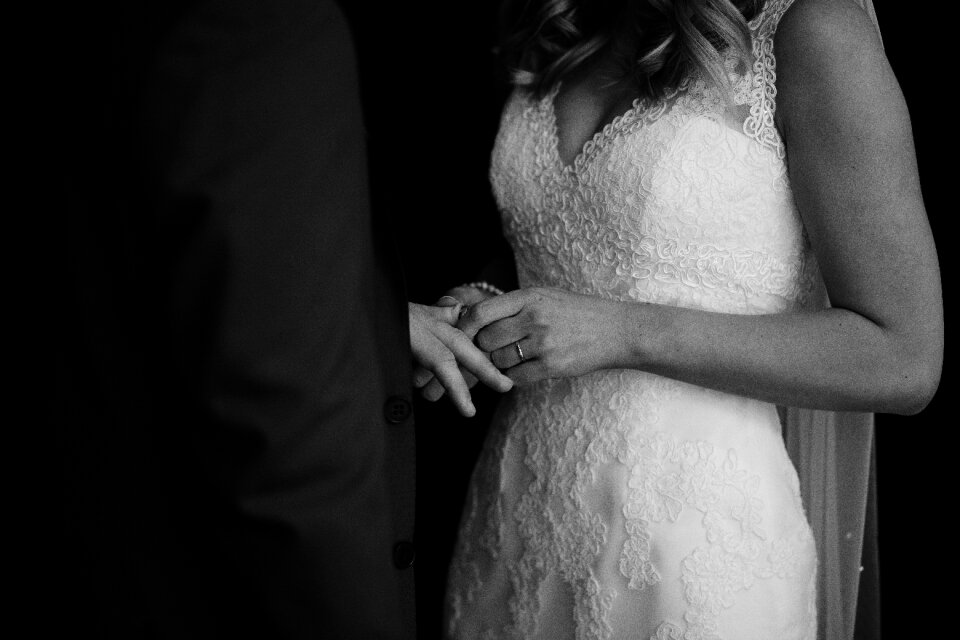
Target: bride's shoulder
{"type": "Point", "coordinates": [818, 31]}
{"type": "Point", "coordinates": [827, 48]}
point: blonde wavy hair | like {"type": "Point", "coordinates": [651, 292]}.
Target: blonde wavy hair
{"type": "Point", "coordinates": [656, 43]}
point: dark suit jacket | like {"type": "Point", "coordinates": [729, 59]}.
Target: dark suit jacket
{"type": "Point", "coordinates": [234, 431]}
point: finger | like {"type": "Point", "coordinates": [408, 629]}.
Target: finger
{"type": "Point", "coordinates": [475, 361]}
{"type": "Point", "coordinates": [421, 376]}
{"type": "Point", "coordinates": [512, 354]}
{"type": "Point", "coordinates": [448, 314]}
{"type": "Point", "coordinates": [448, 373]}
{"type": "Point", "coordinates": [491, 310]}
{"type": "Point", "coordinates": [468, 295]}
{"type": "Point", "coordinates": [433, 391]}
{"type": "Point", "coordinates": [528, 372]}
{"type": "Point", "coordinates": [501, 333]}
{"type": "Point", "coordinates": [469, 378]}
{"type": "Point", "coordinates": [448, 301]}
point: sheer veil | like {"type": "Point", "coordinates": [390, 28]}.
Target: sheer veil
{"type": "Point", "coordinates": [833, 454]}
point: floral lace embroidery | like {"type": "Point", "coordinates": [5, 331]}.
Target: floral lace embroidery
{"type": "Point", "coordinates": [738, 550]}
{"type": "Point", "coordinates": [560, 532]}
{"type": "Point", "coordinates": [483, 501]}
{"type": "Point", "coordinates": [572, 429]}
{"type": "Point", "coordinates": [686, 202]}
{"type": "Point", "coordinates": [577, 226]}
{"type": "Point", "coordinates": [762, 92]}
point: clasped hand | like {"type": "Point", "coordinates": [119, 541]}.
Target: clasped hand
{"type": "Point", "coordinates": [448, 360]}
{"type": "Point", "coordinates": [538, 333]}
{"type": "Point", "coordinates": [530, 334]}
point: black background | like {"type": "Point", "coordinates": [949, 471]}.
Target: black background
{"type": "Point", "coordinates": [433, 93]}
{"type": "Point", "coordinates": [916, 464]}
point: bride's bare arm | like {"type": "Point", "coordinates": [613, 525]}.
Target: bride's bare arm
{"type": "Point", "coordinates": [853, 172]}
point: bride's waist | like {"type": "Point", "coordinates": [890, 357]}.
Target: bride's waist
{"type": "Point", "coordinates": [640, 400]}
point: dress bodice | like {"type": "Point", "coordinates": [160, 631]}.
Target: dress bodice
{"type": "Point", "coordinates": [683, 201]}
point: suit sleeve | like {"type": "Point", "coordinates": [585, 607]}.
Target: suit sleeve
{"type": "Point", "coordinates": [266, 270]}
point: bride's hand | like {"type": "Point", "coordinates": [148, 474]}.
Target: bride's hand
{"type": "Point", "coordinates": [446, 354]}
{"type": "Point", "coordinates": [538, 333]}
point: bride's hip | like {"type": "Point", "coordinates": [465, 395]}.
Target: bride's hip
{"type": "Point", "coordinates": [618, 423]}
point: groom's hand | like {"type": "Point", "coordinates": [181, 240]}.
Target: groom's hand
{"type": "Point", "coordinates": [423, 378]}
{"type": "Point", "coordinates": [441, 350]}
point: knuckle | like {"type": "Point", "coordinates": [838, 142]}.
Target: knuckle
{"type": "Point", "coordinates": [549, 344]}
{"type": "Point", "coordinates": [538, 343]}
{"type": "Point", "coordinates": [485, 340]}
{"type": "Point", "coordinates": [449, 314]}
{"type": "Point", "coordinates": [444, 357]}
{"type": "Point", "coordinates": [476, 314]}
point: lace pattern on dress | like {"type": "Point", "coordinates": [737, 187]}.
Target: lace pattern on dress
{"type": "Point", "coordinates": [573, 433]}
{"type": "Point", "coordinates": [674, 202]}
{"type": "Point", "coordinates": [575, 226]}
{"type": "Point", "coordinates": [759, 89]}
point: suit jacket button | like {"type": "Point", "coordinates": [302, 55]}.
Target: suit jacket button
{"type": "Point", "coordinates": [396, 409]}
{"type": "Point", "coordinates": [404, 553]}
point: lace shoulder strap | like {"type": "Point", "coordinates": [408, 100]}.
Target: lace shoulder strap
{"type": "Point", "coordinates": [760, 92]}
{"type": "Point", "coordinates": [764, 24]}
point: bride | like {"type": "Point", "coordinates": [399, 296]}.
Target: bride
{"type": "Point", "coordinates": [678, 180]}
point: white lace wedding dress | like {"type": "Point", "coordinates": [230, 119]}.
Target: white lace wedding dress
{"type": "Point", "coordinates": [621, 504]}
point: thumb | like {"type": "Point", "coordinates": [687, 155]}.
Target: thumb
{"type": "Point", "coordinates": [448, 313]}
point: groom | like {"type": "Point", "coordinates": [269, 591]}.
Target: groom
{"type": "Point", "coordinates": [236, 439]}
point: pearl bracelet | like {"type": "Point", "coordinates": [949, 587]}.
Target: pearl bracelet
{"type": "Point", "coordinates": [484, 286]}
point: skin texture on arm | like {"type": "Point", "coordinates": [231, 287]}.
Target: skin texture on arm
{"type": "Point", "coordinates": [854, 176]}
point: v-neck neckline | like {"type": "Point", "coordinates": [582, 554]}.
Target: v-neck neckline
{"type": "Point", "coordinates": [592, 143]}
{"type": "Point", "coordinates": [643, 108]}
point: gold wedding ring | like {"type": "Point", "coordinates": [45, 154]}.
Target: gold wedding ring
{"type": "Point", "coordinates": [519, 350]}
